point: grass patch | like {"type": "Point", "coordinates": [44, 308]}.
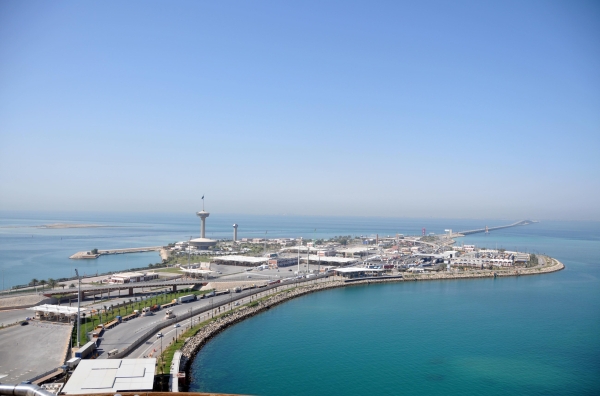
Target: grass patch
{"type": "Point", "coordinates": [88, 323]}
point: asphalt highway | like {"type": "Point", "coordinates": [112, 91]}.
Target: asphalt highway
{"type": "Point", "coordinates": [125, 334]}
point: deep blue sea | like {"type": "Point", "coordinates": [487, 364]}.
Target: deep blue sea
{"type": "Point", "coordinates": [534, 335]}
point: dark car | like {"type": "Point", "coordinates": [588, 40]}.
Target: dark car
{"type": "Point", "coordinates": [24, 323]}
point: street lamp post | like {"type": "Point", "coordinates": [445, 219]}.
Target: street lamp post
{"type": "Point", "coordinates": [176, 326]}
{"type": "Point", "coordinates": [78, 306]}
{"type": "Point", "coordinates": [160, 335]}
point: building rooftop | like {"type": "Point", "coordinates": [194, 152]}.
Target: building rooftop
{"type": "Point", "coordinates": [242, 259]}
{"type": "Point", "coordinates": [110, 376]}
{"type": "Point", "coordinates": [356, 269]}
{"type": "Point", "coordinates": [58, 309]}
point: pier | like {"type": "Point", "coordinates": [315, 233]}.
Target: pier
{"type": "Point", "coordinates": [90, 255]}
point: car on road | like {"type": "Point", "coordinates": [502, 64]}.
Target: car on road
{"type": "Point", "coordinates": [24, 323]}
{"type": "Point", "coordinates": [248, 276]}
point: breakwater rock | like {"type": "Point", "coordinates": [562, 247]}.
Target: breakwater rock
{"type": "Point", "coordinates": [193, 344]}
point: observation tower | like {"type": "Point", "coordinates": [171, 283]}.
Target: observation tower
{"type": "Point", "coordinates": [203, 243]}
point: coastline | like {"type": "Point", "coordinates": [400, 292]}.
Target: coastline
{"type": "Point", "coordinates": [194, 344]}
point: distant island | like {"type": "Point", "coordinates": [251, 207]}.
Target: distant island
{"type": "Point", "coordinates": [67, 225]}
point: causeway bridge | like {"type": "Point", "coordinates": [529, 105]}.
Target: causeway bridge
{"type": "Point", "coordinates": [487, 229]}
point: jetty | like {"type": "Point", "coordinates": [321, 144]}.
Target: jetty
{"type": "Point", "coordinates": [91, 255]}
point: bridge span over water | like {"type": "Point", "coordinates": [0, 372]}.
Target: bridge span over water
{"type": "Point", "coordinates": [487, 229]}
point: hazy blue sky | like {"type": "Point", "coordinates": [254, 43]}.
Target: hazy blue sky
{"type": "Point", "coordinates": [425, 108]}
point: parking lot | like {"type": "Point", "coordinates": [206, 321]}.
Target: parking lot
{"type": "Point", "coordinates": [33, 349]}
{"type": "Point", "coordinates": [14, 315]}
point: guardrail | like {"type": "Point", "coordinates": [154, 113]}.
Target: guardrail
{"type": "Point", "coordinates": [164, 324]}
{"type": "Point", "coordinates": [37, 377]}
{"type": "Point", "coordinates": [174, 380]}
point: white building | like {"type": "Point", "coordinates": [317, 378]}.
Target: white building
{"type": "Point", "coordinates": [131, 277]}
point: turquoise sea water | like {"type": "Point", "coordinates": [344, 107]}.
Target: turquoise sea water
{"type": "Point", "coordinates": [27, 252]}
{"type": "Point", "coordinates": [533, 335]}
{"type": "Point", "coordinates": [528, 335]}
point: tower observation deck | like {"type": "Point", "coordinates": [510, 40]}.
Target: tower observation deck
{"type": "Point", "coordinates": [203, 243]}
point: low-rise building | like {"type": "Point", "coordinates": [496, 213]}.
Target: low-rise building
{"type": "Point", "coordinates": [131, 277]}
{"type": "Point", "coordinates": [277, 262]}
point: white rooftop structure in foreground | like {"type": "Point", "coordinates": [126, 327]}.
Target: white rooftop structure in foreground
{"type": "Point", "coordinates": [111, 375]}
{"type": "Point", "coordinates": [241, 260]}
{"type": "Point", "coordinates": [57, 309]}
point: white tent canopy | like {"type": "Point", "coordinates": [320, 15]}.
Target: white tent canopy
{"type": "Point", "coordinates": [57, 309]}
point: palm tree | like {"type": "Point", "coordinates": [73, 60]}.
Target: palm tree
{"type": "Point", "coordinates": [52, 283]}
{"type": "Point", "coordinates": [34, 282]}
{"type": "Point", "coordinates": [43, 282]}
{"type": "Point", "coordinates": [63, 285]}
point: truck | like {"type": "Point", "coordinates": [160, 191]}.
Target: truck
{"type": "Point", "coordinates": [188, 298]}
{"type": "Point", "coordinates": [169, 305]}
{"type": "Point", "coordinates": [211, 294]}
{"type": "Point", "coordinates": [221, 292]}
{"type": "Point", "coordinates": [113, 352]}
{"type": "Point", "coordinates": [86, 350]}
{"type": "Point", "coordinates": [146, 311]}
{"type": "Point", "coordinates": [237, 289]}
{"type": "Point", "coordinates": [169, 314]}
{"type": "Point", "coordinates": [98, 330]}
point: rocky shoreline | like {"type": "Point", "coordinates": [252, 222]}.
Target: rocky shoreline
{"type": "Point", "coordinates": [193, 344]}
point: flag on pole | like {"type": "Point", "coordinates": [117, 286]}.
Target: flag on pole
{"type": "Point", "coordinates": [203, 197]}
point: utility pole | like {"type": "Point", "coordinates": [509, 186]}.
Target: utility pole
{"type": "Point", "coordinates": [78, 305]}
{"type": "Point", "coordinates": [319, 263]}
{"type": "Point", "coordinates": [265, 250]}
{"type": "Point", "coordinates": [188, 248]}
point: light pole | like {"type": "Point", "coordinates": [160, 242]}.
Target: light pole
{"type": "Point", "coordinates": [160, 335]}
{"type": "Point", "coordinates": [176, 326]}
{"type": "Point", "coordinates": [78, 305]}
